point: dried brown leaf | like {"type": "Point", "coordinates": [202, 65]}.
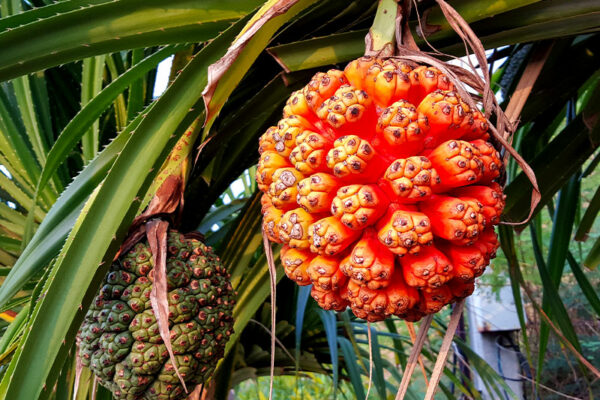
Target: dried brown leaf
{"type": "Point", "coordinates": [370, 340]}
{"type": "Point", "coordinates": [442, 356]}
{"type": "Point", "coordinates": [413, 357]}
{"type": "Point", "coordinates": [78, 370]}
{"type": "Point", "coordinates": [273, 280]}
{"type": "Point", "coordinates": [165, 201]}
{"type": "Point", "coordinates": [195, 395]}
{"type": "Point", "coordinates": [156, 230]}
{"type": "Point", "coordinates": [131, 240]}
{"type": "Point", "coordinates": [94, 388]}
{"type": "Point", "coordinates": [413, 337]}
{"type": "Point", "coordinates": [195, 235]}
{"type": "Point", "coordinates": [218, 69]}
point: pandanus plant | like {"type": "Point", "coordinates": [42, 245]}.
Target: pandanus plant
{"type": "Point", "coordinates": [84, 146]}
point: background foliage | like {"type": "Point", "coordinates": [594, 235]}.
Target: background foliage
{"type": "Point", "coordinates": [84, 144]}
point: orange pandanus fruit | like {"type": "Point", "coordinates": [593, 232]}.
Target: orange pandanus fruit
{"type": "Point", "coordinates": [380, 182]}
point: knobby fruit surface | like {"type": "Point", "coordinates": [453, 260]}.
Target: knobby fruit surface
{"type": "Point", "coordinates": [380, 182]}
{"type": "Point", "coordinates": [120, 341]}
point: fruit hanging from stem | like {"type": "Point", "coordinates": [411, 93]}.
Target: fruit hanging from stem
{"type": "Point", "coordinates": [380, 181]}
{"type": "Point", "coordinates": [120, 340]}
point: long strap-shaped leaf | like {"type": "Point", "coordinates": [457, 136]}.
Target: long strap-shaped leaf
{"type": "Point", "coordinates": [33, 107]}
{"type": "Point", "coordinates": [76, 128]}
{"type": "Point", "coordinates": [252, 294]}
{"type": "Point", "coordinates": [508, 246]}
{"type": "Point", "coordinates": [273, 287]}
{"type": "Point", "coordinates": [587, 221]}
{"type": "Point", "coordinates": [584, 284]}
{"type": "Point", "coordinates": [543, 20]}
{"type": "Point", "coordinates": [551, 271]}
{"type": "Point", "coordinates": [17, 193]}
{"type": "Point", "coordinates": [135, 96]}
{"type": "Point", "coordinates": [15, 20]}
{"type": "Point", "coordinates": [413, 336]}
{"type": "Point", "coordinates": [15, 175]}
{"type": "Point", "coordinates": [255, 287]}
{"type": "Point", "coordinates": [91, 84]}
{"type": "Point", "coordinates": [57, 224]}
{"type": "Point", "coordinates": [23, 94]}
{"type": "Point", "coordinates": [113, 26]}
{"type": "Point", "coordinates": [329, 323]}
{"type": "Point", "coordinates": [224, 75]}
{"type": "Point", "coordinates": [576, 142]}
{"type": "Point", "coordinates": [13, 144]}
{"type": "Point", "coordinates": [350, 361]}
{"type": "Point", "coordinates": [507, 243]}
{"type": "Point", "coordinates": [592, 260]}
{"type": "Point", "coordinates": [96, 237]}
{"type": "Point", "coordinates": [11, 214]}
{"type": "Point", "coordinates": [10, 245]}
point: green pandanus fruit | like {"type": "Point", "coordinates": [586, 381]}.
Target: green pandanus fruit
{"type": "Point", "coordinates": [120, 340]}
{"type": "Point", "coordinates": [380, 182]}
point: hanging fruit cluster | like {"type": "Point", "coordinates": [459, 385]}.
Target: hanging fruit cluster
{"type": "Point", "coordinates": [120, 340]}
{"type": "Point", "coordinates": [379, 181]}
